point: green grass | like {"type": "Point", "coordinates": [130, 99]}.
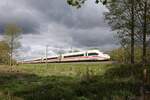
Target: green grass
{"type": "Point", "coordinates": [76, 81]}
{"type": "Point", "coordinates": [63, 69]}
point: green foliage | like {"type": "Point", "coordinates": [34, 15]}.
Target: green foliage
{"type": "Point", "coordinates": [37, 82]}
{"type": "Point", "coordinates": [79, 3]}
{"type": "Point", "coordinates": [12, 36]}
{"type": "Point", "coordinates": [76, 3]}
{"type": "Point", "coordinates": [118, 55]}
{"type": "Point", "coordinates": [122, 55]}
{"type": "Point", "coordinates": [4, 52]}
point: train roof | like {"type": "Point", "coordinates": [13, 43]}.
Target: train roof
{"type": "Point", "coordinates": [82, 52]}
{"type": "Point", "coordinates": [74, 53]}
{"type": "Point", "coordinates": [93, 51]}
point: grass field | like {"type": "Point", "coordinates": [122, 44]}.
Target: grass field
{"type": "Point", "coordinates": [91, 81]}
{"type": "Point", "coordinates": [64, 69]}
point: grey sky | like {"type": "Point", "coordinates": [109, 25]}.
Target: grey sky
{"type": "Point", "coordinates": [55, 23]}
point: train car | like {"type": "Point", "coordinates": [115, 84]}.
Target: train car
{"type": "Point", "coordinates": [76, 56]}
{"type": "Point", "coordinates": [89, 55]}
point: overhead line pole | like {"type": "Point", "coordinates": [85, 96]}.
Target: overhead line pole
{"type": "Point", "coordinates": [46, 53]}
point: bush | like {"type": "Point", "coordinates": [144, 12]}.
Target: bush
{"type": "Point", "coordinates": [122, 55]}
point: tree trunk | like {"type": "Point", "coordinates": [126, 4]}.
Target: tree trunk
{"type": "Point", "coordinates": [11, 50]}
{"type": "Point", "coordinates": [144, 44]}
{"type": "Point", "coordinates": [144, 32]}
{"type": "Point", "coordinates": [132, 34]}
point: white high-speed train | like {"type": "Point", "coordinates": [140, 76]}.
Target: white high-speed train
{"type": "Point", "coordinates": [90, 55]}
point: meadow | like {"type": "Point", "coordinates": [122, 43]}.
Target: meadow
{"type": "Point", "coordinates": [69, 81]}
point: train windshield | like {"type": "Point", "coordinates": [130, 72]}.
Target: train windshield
{"type": "Point", "coordinates": [92, 54]}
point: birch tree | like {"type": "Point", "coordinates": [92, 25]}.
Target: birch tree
{"type": "Point", "coordinates": [12, 36]}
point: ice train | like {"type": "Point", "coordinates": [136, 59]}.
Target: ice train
{"type": "Point", "coordinates": [89, 55]}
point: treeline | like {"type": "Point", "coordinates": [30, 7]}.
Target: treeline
{"type": "Point", "coordinates": [131, 20]}
{"type": "Point", "coordinates": [10, 44]}
{"type": "Point", "coordinates": [122, 55]}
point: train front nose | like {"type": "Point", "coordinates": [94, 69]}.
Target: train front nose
{"type": "Point", "coordinates": [107, 56]}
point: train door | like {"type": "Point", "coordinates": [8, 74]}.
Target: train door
{"type": "Point", "coordinates": [60, 58]}
{"type": "Point", "coordinates": [86, 53]}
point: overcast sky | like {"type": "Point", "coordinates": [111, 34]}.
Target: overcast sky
{"type": "Point", "coordinates": [55, 23]}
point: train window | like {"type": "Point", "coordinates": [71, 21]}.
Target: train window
{"type": "Point", "coordinates": [50, 58]}
{"type": "Point", "coordinates": [92, 54]}
{"type": "Point", "coordinates": [37, 60]}
{"type": "Point", "coordinates": [74, 55]}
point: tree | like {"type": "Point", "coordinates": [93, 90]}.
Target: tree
{"type": "Point", "coordinates": [143, 24]}
{"type": "Point", "coordinates": [133, 17]}
{"type": "Point", "coordinates": [121, 17]}
{"type": "Point", "coordinates": [130, 19]}
{"type": "Point", "coordinates": [12, 35]}
{"type": "Point", "coordinates": [146, 22]}
{"type": "Point", "coordinates": [4, 54]}
{"type": "Point", "coordinates": [132, 30]}
{"type": "Point", "coordinates": [78, 3]}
